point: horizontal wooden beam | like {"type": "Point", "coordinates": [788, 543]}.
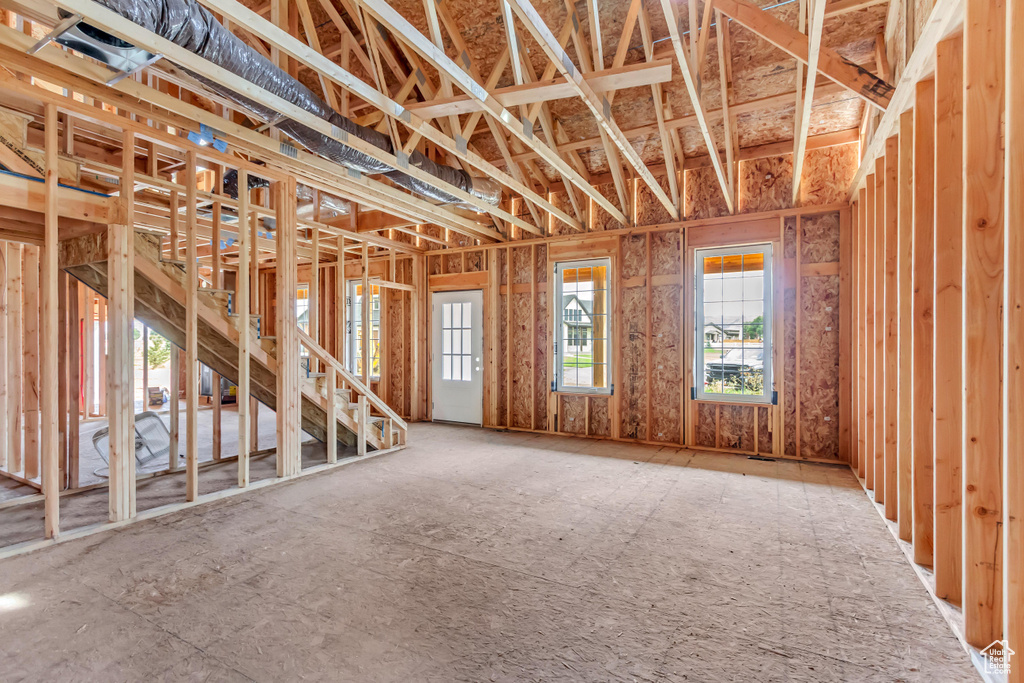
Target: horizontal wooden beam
{"type": "Point", "coordinates": [632, 76]}
{"type": "Point", "coordinates": [861, 82]}
{"type": "Point", "coordinates": [20, 192]}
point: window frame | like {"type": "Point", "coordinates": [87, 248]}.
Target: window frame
{"type": "Point", "coordinates": [352, 360]}
{"type": "Point", "coordinates": [560, 344]}
{"type": "Point", "coordinates": [768, 308]}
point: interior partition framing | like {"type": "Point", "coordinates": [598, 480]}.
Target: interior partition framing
{"type": "Point", "coordinates": [652, 294]}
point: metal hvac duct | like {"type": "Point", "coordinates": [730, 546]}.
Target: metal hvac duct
{"type": "Point", "coordinates": [191, 26]}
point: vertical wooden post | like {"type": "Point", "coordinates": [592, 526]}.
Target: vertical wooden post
{"type": "Point", "coordinates": [15, 455]}
{"type": "Point", "coordinates": [904, 326]}
{"type": "Point", "coordinates": [243, 319]}
{"type": "Point", "coordinates": [923, 285]}
{"type": "Point", "coordinates": [191, 334]}
{"type": "Point", "coordinates": [863, 210]}
{"type": "Point", "coordinates": [847, 324]}
{"type": "Point", "coordinates": [120, 381]}
{"type": "Point", "coordinates": [289, 456]}
{"type": "Point", "coordinates": [339, 301]}
{"type": "Point", "coordinates": [869, 335]}
{"type": "Point", "coordinates": [102, 350]}
{"type": "Point", "coordinates": [218, 282]}
{"type": "Point", "coordinates": [361, 415]}
{"type": "Point", "coordinates": [365, 322]}
{"type": "Point", "coordinates": [74, 378]}
{"type": "Point", "coordinates": [1013, 514]}
{"type": "Point", "coordinates": [30, 358]}
{"type": "Point", "coordinates": [890, 353]}
{"type": "Point", "coordinates": [948, 343]}
{"type": "Point", "coordinates": [878, 390]}
{"type": "Point", "coordinates": [416, 302]}
{"type": "Point", "coordinates": [4, 441]}
{"type": "Point", "coordinates": [88, 351]}
{"type": "Point", "coordinates": [984, 52]}
{"type": "Point", "coordinates": [332, 414]}
{"type": "Point", "coordinates": [173, 453]}
{"type": "Point", "coordinates": [314, 294]}
{"type": "Point", "coordinates": [49, 386]}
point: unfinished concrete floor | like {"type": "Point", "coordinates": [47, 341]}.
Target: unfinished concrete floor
{"type": "Point", "coordinates": [475, 555]}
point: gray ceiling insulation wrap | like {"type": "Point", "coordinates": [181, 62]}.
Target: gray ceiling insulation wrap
{"type": "Point", "coordinates": [191, 26]}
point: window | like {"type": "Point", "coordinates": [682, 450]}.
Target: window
{"type": "Point", "coordinates": [355, 328]}
{"type": "Point", "coordinates": [456, 341]}
{"type": "Point", "coordinates": [582, 324]}
{"type": "Point", "coordinates": [733, 316]}
{"type": "Point", "coordinates": [302, 314]}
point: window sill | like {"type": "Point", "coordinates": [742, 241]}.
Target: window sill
{"type": "Point", "coordinates": [582, 392]}
{"type": "Point", "coordinates": [730, 400]}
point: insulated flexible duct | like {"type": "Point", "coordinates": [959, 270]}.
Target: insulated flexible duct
{"type": "Point", "coordinates": [191, 26]}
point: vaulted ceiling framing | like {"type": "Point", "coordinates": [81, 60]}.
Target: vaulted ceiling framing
{"type": "Point", "coordinates": [542, 96]}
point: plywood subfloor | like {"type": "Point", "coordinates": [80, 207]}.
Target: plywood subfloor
{"type": "Point", "coordinates": [475, 555]}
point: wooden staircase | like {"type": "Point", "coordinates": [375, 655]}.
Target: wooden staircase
{"type": "Point", "coordinates": [362, 419]}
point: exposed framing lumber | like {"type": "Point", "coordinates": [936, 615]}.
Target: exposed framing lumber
{"type": "Point", "coordinates": [904, 327]}
{"type": "Point", "coordinates": [861, 82]}
{"type": "Point", "coordinates": [289, 455]}
{"type": "Point", "coordinates": [398, 25]}
{"type": "Point", "coordinates": [948, 315]}
{"type": "Point", "coordinates": [654, 72]}
{"type": "Point", "coordinates": [49, 387]}
{"type": "Point", "coordinates": [817, 23]}
{"type": "Point", "coordinates": [244, 316]}
{"type": "Point", "coordinates": [1013, 497]}
{"type": "Point", "coordinates": [120, 381]}
{"type": "Point", "coordinates": [943, 17]}
{"type": "Point", "coordinates": [923, 331]}
{"type": "Point", "coordinates": [984, 88]}
{"type": "Point", "coordinates": [191, 335]}
{"type": "Point", "coordinates": [695, 101]}
{"type": "Point", "coordinates": [890, 328]}
{"type": "Point", "coordinates": [320, 64]}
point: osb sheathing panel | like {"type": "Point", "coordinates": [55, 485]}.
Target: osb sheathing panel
{"type": "Point", "coordinates": [736, 428]}
{"type": "Point", "coordinates": [634, 256]}
{"type": "Point", "coordinates": [703, 196]}
{"type": "Point", "coordinates": [789, 371]}
{"type": "Point", "coordinates": [522, 361]}
{"type": "Point", "coordinates": [574, 414]}
{"type": "Point", "coordinates": [764, 429]}
{"type": "Point", "coordinates": [633, 347]}
{"type": "Point", "coordinates": [522, 265]}
{"type": "Point", "coordinates": [474, 261]}
{"type": "Point", "coordinates": [563, 202]}
{"type": "Point", "coordinates": [649, 209]}
{"type": "Point", "coordinates": [600, 422]}
{"type": "Point", "coordinates": [827, 174]}
{"type": "Point", "coordinates": [396, 370]}
{"type": "Point", "coordinates": [601, 219]}
{"type": "Point", "coordinates": [766, 184]}
{"type": "Point", "coordinates": [705, 425]}
{"type": "Point", "coordinates": [665, 371]}
{"type": "Point", "coordinates": [503, 266]}
{"type": "Point", "coordinates": [541, 363]}
{"type": "Point", "coordinates": [434, 265]}
{"type": "Point", "coordinates": [789, 237]}
{"type": "Point", "coordinates": [819, 367]}
{"type": "Point", "coordinates": [453, 263]}
{"type": "Point", "coordinates": [665, 252]}
{"type": "Point", "coordinates": [540, 267]}
{"type": "Point", "coordinates": [819, 238]}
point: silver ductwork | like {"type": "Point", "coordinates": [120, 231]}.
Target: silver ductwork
{"type": "Point", "coordinates": [187, 24]}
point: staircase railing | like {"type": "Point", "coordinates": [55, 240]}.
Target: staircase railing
{"type": "Point", "coordinates": [391, 418]}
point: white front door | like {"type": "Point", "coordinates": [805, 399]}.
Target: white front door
{"type": "Point", "coordinates": [457, 346]}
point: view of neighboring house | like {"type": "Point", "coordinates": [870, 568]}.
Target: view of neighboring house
{"type": "Point", "coordinates": [577, 324]}
{"type": "Point", "coordinates": [713, 333]}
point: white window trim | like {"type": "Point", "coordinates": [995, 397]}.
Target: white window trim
{"type": "Point", "coordinates": [769, 313]}
{"type": "Point", "coordinates": [352, 361]}
{"type": "Point", "coordinates": [559, 342]}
